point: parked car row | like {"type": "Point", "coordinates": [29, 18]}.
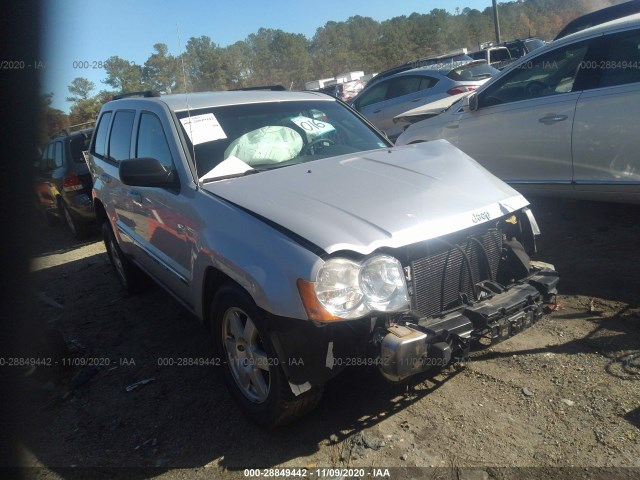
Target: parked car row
{"type": "Point", "coordinates": [560, 121]}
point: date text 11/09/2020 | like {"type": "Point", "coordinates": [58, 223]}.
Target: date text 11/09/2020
{"type": "Point", "coordinates": [316, 472]}
{"type": "Point", "coordinates": [260, 362]}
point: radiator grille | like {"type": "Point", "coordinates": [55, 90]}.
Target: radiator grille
{"type": "Point", "coordinates": [442, 276]}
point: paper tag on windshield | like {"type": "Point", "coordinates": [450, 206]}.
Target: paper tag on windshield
{"type": "Point", "coordinates": [313, 127]}
{"type": "Point", "coordinates": [203, 128]}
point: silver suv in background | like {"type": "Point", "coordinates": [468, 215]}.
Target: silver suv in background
{"type": "Point", "coordinates": [306, 243]}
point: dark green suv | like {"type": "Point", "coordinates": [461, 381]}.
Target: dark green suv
{"type": "Point", "coordinates": [63, 182]}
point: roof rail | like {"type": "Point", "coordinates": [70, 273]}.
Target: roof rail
{"type": "Point", "coordinates": [145, 93]}
{"type": "Point", "coordinates": [273, 88]}
{"type": "Point", "coordinates": [64, 132]}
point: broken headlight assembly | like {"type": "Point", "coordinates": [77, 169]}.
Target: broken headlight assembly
{"type": "Point", "coordinates": [347, 289]}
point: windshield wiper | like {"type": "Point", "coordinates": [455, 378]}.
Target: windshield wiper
{"type": "Point", "coordinates": [234, 175]}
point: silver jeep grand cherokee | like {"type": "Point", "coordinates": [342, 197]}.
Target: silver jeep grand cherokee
{"type": "Point", "coordinates": [306, 243]}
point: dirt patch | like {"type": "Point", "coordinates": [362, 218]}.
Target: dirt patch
{"type": "Point", "coordinates": [565, 393]}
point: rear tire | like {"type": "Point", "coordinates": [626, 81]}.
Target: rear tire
{"type": "Point", "coordinates": [130, 276]}
{"type": "Point", "coordinates": [251, 368]}
{"type": "Point", "coordinates": [78, 229]}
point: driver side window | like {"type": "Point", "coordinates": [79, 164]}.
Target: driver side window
{"type": "Point", "coordinates": [550, 74]}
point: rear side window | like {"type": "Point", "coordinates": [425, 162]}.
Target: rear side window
{"type": "Point", "coordinates": [58, 157]}
{"type": "Point", "coordinates": [48, 154]}
{"type": "Point", "coordinates": [152, 141]}
{"type": "Point", "coordinates": [120, 138]}
{"type": "Point", "coordinates": [100, 145]}
{"type": "Point", "coordinates": [403, 86]}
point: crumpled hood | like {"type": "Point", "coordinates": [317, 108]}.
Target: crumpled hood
{"type": "Point", "coordinates": [389, 197]}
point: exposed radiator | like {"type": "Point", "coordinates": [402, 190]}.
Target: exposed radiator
{"type": "Point", "coordinates": [440, 278]}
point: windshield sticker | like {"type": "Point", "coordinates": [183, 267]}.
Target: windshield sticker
{"type": "Point", "coordinates": [312, 127]}
{"type": "Point", "coordinates": [229, 166]}
{"type": "Point", "coordinates": [203, 128]}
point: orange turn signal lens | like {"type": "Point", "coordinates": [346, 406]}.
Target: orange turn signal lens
{"type": "Point", "coordinates": [312, 305]}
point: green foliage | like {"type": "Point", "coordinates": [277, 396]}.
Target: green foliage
{"type": "Point", "coordinates": [52, 120]}
{"type": "Point", "coordinates": [160, 71]}
{"type": "Point", "coordinates": [123, 75]}
{"type": "Point", "coordinates": [270, 56]}
{"type": "Point", "coordinates": [204, 65]}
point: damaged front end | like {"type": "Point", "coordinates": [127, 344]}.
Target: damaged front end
{"type": "Point", "coordinates": [464, 290]}
{"type": "Point", "coordinates": [472, 288]}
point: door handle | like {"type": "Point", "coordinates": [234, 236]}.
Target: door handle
{"type": "Point", "coordinates": [377, 111]}
{"type": "Point", "coordinates": [416, 100]}
{"type": "Point", "coordinates": [551, 119]}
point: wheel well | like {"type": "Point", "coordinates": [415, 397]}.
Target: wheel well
{"type": "Point", "coordinates": [214, 279]}
{"type": "Point", "coordinates": [101, 213]}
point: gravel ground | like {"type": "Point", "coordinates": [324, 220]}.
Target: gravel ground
{"type": "Point", "coordinates": [562, 395]}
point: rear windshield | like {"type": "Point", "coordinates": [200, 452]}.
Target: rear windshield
{"type": "Point", "coordinates": [239, 139]}
{"type": "Point", "coordinates": [472, 72]}
{"type": "Point", "coordinates": [444, 62]}
{"type": "Point", "coordinates": [79, 144]}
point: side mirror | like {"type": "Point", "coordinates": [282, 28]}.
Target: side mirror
{"type": "Point", "coordinates": [470, 103]}
{"type": "Point", "coordinates": [146, 172]}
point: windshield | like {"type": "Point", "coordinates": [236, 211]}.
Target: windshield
{"type": "Point", "coordinates": [471, 72]}
{"type": "Point", "coordinates": [240, 139]}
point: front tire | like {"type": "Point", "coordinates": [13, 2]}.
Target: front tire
{"type": "Point", "coordinates": [252, 371]}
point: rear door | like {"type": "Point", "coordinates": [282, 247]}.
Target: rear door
{"type": "Point", "coordinates": [605, 134]}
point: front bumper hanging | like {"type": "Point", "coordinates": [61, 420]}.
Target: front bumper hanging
{"type": "Point", "coordinates": [413, 345]}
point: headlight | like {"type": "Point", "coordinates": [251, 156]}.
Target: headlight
{"type": "Point", "coordinates": [349, 289]}
{"type": "Point", "coordinates": [383, 285]}
{"type": "Point", "coordinates": [338, 290]}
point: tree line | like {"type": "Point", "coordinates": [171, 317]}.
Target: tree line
{"type": "Point", "coordinates": [270, 57]}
